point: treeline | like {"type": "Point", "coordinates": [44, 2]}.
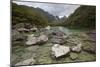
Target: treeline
{"type": "Point", "coordinates": [83, 17]}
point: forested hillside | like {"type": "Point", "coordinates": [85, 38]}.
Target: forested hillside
{"type": "Point", "coordinates": [83, 17]}
{"type": "Point", "coordinates": [26, 16]}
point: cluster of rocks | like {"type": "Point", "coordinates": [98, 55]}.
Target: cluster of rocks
{"type": "Point", "coordinates": [58, 39]}
{"type": "Point", "coordinates": [61, 50]}
{"type": "Point", "coordinates": [18, 33]}
{"type": "Point", "coordinates": [18, 38]}
{"type": "Point", "coordinates": [45, 34]}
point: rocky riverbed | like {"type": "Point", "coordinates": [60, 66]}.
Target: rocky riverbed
{"type": "Point", "coordinates": [52, 45]}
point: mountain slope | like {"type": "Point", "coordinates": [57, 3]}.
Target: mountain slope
{"type": "Point", "coordinates": [25, 15]}
{"type": "Point", "coordinates": [84, 16]}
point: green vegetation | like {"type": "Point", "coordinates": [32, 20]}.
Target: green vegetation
{"type": "Point", "coordinates": [83, 17]}
{"type": "Point", "coordinates": [24, 16]}
{"type": "Point", "coordinates": [27, 16]}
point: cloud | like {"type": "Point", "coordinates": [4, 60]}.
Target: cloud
{"type": "Point", "coordinates": [54, 9]}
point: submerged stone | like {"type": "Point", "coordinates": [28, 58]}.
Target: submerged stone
{"type": "Point", "coordinates": [33, 48]}
{"type": "Point", "coordinates": [30, 61]}
{"type": "Point", "coordinates": [73, 56]}
{"type": "Point", "coordinates": [89, 47]}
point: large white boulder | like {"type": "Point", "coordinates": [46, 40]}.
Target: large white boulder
{"type": "Point", "coordinates": [59, 50]}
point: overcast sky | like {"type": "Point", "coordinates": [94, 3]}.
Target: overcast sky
{"type": "Point", "coordinates": [54, 9]}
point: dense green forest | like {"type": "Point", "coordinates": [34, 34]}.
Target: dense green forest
{"type": "Point", "coordinates": [83, 17]}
